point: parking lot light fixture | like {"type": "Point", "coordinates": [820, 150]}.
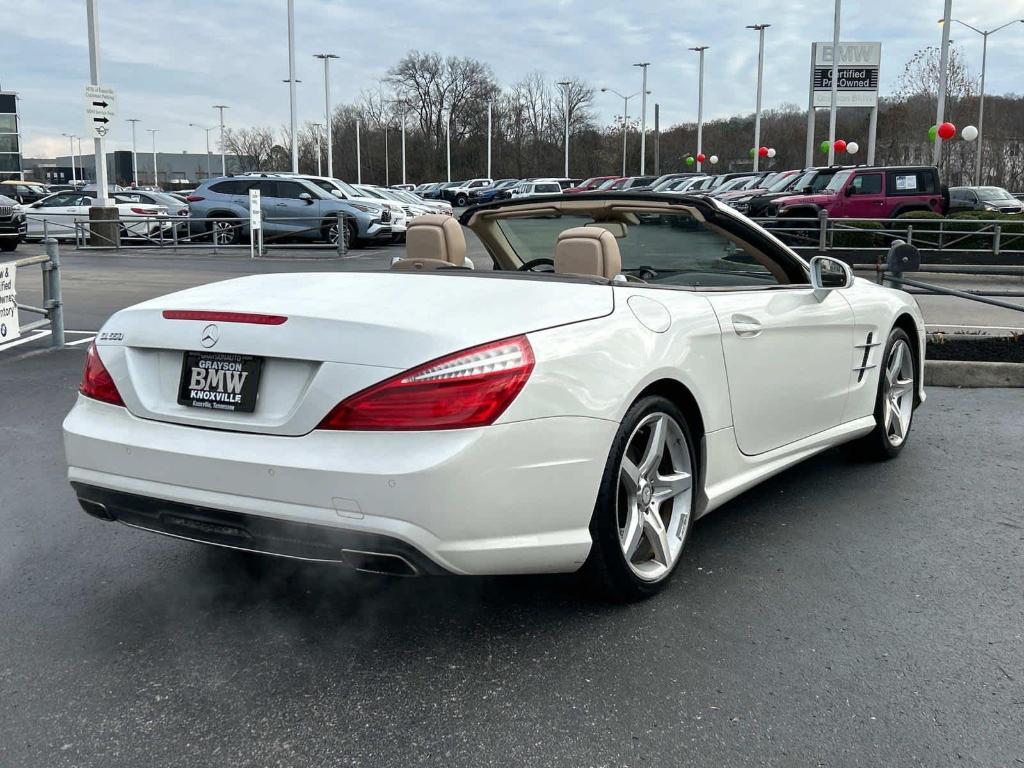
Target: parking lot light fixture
{"type": "Point", "coordinates": [207, 130]}
{"type": "Point", "coordinates": [760, 28]}
{"type": "Point", "coordinates": [316, 141]}
{"type": "Point", "coordinates": [135, 156]}
{"type": "Point", "coordinates": [940, 105]}
{"type": "Point", "coordinates": [490, 105]}
{"type": "Point", "coordinates": [700, 103]}
{"type": "Point", "coordinates": [359, 160]}
{"type": "Point", "coordinates": [403, 148]}
{"type": "Point", "coordinates": [643, 113]}
{"type": "Point", "coordinates": [981, 98]}
{"type": "Point", "coordinates": [565, 85]}
{"type": "Point", "coordinates": [625, 119]}
{"type": "Point", "coordinates": [291, 86]}
{"type": "Point", "coordinates": [223, 163]}
{"type": "Point", "coordinates": [71, 140]}
{"type": "Point", "coordinates": [156, 177]}
{"type": "Point", "coordinates": [448, 142]}
{"type": "Point", "coordinates": [327, 109]}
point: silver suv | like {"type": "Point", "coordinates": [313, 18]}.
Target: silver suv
{"type": "Point", "coordinates": [291, 207]}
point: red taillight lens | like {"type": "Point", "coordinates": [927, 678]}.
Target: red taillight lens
{"type": "Point", "coordinates": [96, 380]}
{"type": "Point", "coordinates": [145, 211]}
{"type": "Point", "coordinates": [223, 317]}
{"type": "Point", "coordinates": [194, 198]}
{"type": "Point", "coordinates": [471, 388]}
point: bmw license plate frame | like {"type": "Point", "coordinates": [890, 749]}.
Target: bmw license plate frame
{"type": "Point", "coordinates": [211, 380]}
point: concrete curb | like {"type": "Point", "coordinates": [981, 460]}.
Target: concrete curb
{"type": "Point", "coordinates": [956, 373]}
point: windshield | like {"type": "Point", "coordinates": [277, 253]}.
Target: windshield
{"type": "Point", "coordinates": [783, 183]}
{"type": "Point", "coordinates": [607, 184]}
{"type": "Point", "coordinates": [732, 184]}
{"type": "Point", "coordinates": [993, 193]}
{"type": "Point", "coordinates": [838, 181]}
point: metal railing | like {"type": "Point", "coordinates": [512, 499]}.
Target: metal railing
{"type": "Point", "coordinates": [52, 309]}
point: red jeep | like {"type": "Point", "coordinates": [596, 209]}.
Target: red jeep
{"type": "Point", "coordinates": [871, 193]}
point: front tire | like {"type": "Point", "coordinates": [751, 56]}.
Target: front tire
{"type": "Point", "coordinates": [894, 403]}
{"type": "Point", "coordinates": [7, 246]}
{"type": "Point", "coordinates": [644, 509]}
{"type": "Point", "coordinates": [225, 231]}
{"type": "Point", "coordinates": [461, 201]}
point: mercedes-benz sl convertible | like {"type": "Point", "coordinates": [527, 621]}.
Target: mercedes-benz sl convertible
{"type": "Point", "coordinates": [631, 362]}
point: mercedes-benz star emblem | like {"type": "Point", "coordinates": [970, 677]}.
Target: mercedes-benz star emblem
{"type": "Point", "coordinates": [211, 335]}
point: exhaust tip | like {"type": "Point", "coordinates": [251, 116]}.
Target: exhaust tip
{"type": "Point", "coordinates": [379, 562]}
{"type": "Point", "coordinates": [96, 509]}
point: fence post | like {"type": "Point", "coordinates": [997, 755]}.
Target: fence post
{"type": "Point", "coordinates": [342, 241]}
{"type": "Point", "coordinates": [910, 234]}
{"type": "Point", "coordinates": [996, 237]}
{"type": "Point", "coordinates": [822, 231]}
{"type": "Point", "coordinates": [55, 306]}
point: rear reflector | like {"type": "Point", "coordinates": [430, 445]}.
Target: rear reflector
{"type": "Point", "coordinates": [223, 317]}
{"type": "Point", "coordinates": [471, 388]}
{"type": "Point", "coordinates": [96, 380]}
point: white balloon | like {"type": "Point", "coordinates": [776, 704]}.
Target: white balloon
{"type": "Point", "coordinates": [852, 147]}
{"type": "Point", "coordinates": [771, 152]}
{"type": "Point", "coordinates": [713, 159]}
{"type": "Point", "coordinates": [970, 133]}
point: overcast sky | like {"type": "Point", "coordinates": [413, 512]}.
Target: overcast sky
{"type": "Point", "coordinates": [169, 61]}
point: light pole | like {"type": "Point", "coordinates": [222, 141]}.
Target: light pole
{"type": "Point", "coordinates": [625, 119]}
{"type": "Point", "coordinates": [981, 103]}
{"type": "Point", "coordinates": [760, 28]}
{"type": "Point", "coordinates": [833, 105]}
{"type": "Point", "coordinates": [448, 142]}
{"type": "Point", "coordinates": [291, 85]}
{"type": "Point", "coordinates": [71, 141]}
{"type": "Point", "coordinates": [316, 137]}
{"type": "Point", "coordinates": [223, 162]}
{"type": "Point", "coordinates": [387, 158]}
{"type": "Point", "coordinates": [156, 177]}
{"type": "Point", "coordinates": [643, 114]}
{"type": "Point", "coordinates": [207, 130]}
{"type": "Point", "coordinates": [940, 106]}
{"type": "Point", "coordinates": [327, 108]}
{"type": "Point", "coordinates": [99, 144]}
{"type": "Point", "coordinates": [403, 149]}
{"type": "Point", "coordinates": [700, 103]}
{"type": "Point", "coordinates": [135, 156]}
{"type": "Point", "coordinates": [489, 130]}
{"type": "Point", "coordinates": [565, 85]}
{"type": "Point", "coordinates": [359, 159]}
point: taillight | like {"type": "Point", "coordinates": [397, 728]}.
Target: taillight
{"type": "Point", "coordinates": [96, 380]}
{"type": "Point", "coordinates": [471, 388]}
{"type": "Point", "coordinates": [194, 198]}
{"type": "Point", "coordinates": [145, 211]}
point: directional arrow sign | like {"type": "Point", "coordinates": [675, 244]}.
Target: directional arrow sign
{"type": "Point", "coordinates": [100, 109]}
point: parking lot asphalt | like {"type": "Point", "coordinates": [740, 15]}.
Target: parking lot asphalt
{"type": "Point", "coordinates": [838, 615]}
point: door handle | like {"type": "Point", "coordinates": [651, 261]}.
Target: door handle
{"type": "Point", "coordinates": [746, 326]}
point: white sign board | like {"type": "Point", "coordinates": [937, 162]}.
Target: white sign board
{"type": "Point", "coordinates": [255, 210]}
{"type": "Point", "coordinates": [9, 329]}
{"type": "Point", "coordinates": [858, 74]}
{"type": "Point", "coordinates": [100, 110]}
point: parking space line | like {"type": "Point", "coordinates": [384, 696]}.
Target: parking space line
{"type": "Point", "coordinates": [86, 340]}
{"type": "Point", "coordinates": [25, 340]}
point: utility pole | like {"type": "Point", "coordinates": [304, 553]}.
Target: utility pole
{"type": "Point", "coordinates": [565, 86]}
{"type": "Point", "coordinates": [135, 156]}
{"type": "Point", "coordinates": [760, 28]}
{"type": "Point", "coordinates": [834, 107]}
{"type": "Point", "coordinates": [700, 102]}
{"type": "Point", "coordinates": [327, 109]}
{"type": "Point", "coordinates": [99, 145]}
{"type": "Point", "coordinates": [156, 177]}
{"type": "Point", "coordinates": [223, 162]}
{"type": "Point", "coordinates": [643, 114]}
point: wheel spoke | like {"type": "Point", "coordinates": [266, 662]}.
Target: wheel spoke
{"type": "Point", "coordinates": [630, 474]}
{"type": "Point", "coordinates": [655, 448]}
{"type": "Point", "coordinates": [670, 486]}
{"type": "Point", "coordinates": [632, 533]}
{"type": "Point", "coordinates": [657, 536]}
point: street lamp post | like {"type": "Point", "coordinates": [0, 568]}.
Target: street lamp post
{"type": "Point", "coordinates": [625, 119]}
{"type": "Point", "coordinates": [403, 148]}
{"type": "Point", "coordinates": [760, 28]}
{"type": "Point", "coordinates": [940, 106]}
{"type": "Point", "coordinates": [156, 177]}
{"type": "Point", "coordinates": [223, 162]}
{"type": "Point", "coordinates": [565, 85]}
{"type": "Point", "coordinates": [981, 102]}
{"type": "Point", "coordinates": [489, 106]}
{"type": "Point", "coordinates": [291, 86]}
{"type": "Point", "coordinates": [359, 159]}
{"type": "Point", "coordinates": [327, 108]}
{"type": "Point", "coordinates": [71, 141]}
{"type": "Point", "coordinates": [834, 97]}
{"type": "Point", "coordinates": [207, 130]}
{"type": "Point", "coordinates": [448, 143]}
{"type": "Point", "coordinates": [99, 144]}
{"type": "Point", "coordinates": [316, 136]}
{"type": "Point", "coordinates": [643, 113]}
{"type": "Point", "coordinates": [135, 156]}
{"type": "Point", "coordinates": [700, 103]}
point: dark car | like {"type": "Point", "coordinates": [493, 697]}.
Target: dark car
{"type": "Point", "coordinates": [23, 192]}
{"type": "Point", "coordinates": [983, 199]}
{"type": "Point", "coordinates": [12, 224]}
{"type": "Point", "coordinates": [496, 191]}
{"type": "Point", "coordinates": [589, 185]}
{"type": "Point", "coordinates": [808, 182]}
{"type": "Point", "coordinates": [637, 183]}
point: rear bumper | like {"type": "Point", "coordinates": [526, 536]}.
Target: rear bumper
{"type": "Point", "coordinates": [510, 498]}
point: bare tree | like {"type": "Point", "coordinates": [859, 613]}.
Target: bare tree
{"type": "Point", "coordinates": [254, 147]}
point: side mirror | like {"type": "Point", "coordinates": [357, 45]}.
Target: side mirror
{"type": "Point", "coordinates": [828, 273]}
{"type": "Point", "coordinates": [307, 197]}
{"type": "Point", "coordinates": [850, 190]}
{"type": "Point", "coordinates": [338, 193]}
{"type": "Point", "coordinates": [902, 257]}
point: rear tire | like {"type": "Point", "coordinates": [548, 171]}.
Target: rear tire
{"type": "Point", "coordinates": [894, 403]}
{"type": "Point", "coordinates": [225, 231]}
{"type": "Point", "coordinates": [644, 509]}
{"type": "Point", "coordinates": [461, 201]}
{"type": "Point", "coordinates": [7, 246]}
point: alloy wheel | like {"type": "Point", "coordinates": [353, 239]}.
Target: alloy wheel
{"type": "Point", "coordinates": [898, 393]}
{"type": "Point", "coordinates": [655, 496]}
{"type": "Point", "coordinates": [223, 233]}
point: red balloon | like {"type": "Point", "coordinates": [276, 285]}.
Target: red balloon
{"type": "Point", "coordinates": [763, 151]}
{"type": "Point", "coordinates": [700, 157]}
{"type": "Point", "coordinates": [840, 145]}
{"type": "Point", "coordinates": [947, 131]}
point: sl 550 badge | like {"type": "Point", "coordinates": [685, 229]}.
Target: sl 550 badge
{"type": "Point", "coordinates": [111, 336]}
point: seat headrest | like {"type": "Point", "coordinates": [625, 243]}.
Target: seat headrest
{"type": "Point", "coordinates": [587, 251]}
{"type": "Point", "coordinates": [433, 241]}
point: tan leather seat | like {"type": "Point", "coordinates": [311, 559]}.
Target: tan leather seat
{"type": "Point", "coordinates": [433, 241]}
{"type": "Point", "coordinates": [587, 251]}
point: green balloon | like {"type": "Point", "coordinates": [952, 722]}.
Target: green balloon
{"type": "Point", "coordinates": [932, 133]}
{"type": "Point", "coordinates": [752, 151]}
{"type": "Point", "coordinates": [690, 161]}
{"type": "Point", "coordinates": [824, 147]}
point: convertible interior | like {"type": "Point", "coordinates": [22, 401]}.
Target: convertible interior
{"type": "Point", "coordinates": [658, 242]}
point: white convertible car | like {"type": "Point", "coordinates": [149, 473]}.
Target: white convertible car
{"type": "Point", "coordinates": [631, 362]}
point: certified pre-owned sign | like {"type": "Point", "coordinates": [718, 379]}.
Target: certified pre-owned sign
{"type": "Point", "coordinates": [9, 328]}
{"type": "Point", "coordinates": [857, 74]}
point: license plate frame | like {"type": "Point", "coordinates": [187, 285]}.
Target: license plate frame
{"type": "Point", "coordinates": [220, 391]}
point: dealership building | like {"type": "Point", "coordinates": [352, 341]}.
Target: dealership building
{"type": "Point", "coordinates": [172, 169]}
{"type": "Point", "coordinates": [10, 137]}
